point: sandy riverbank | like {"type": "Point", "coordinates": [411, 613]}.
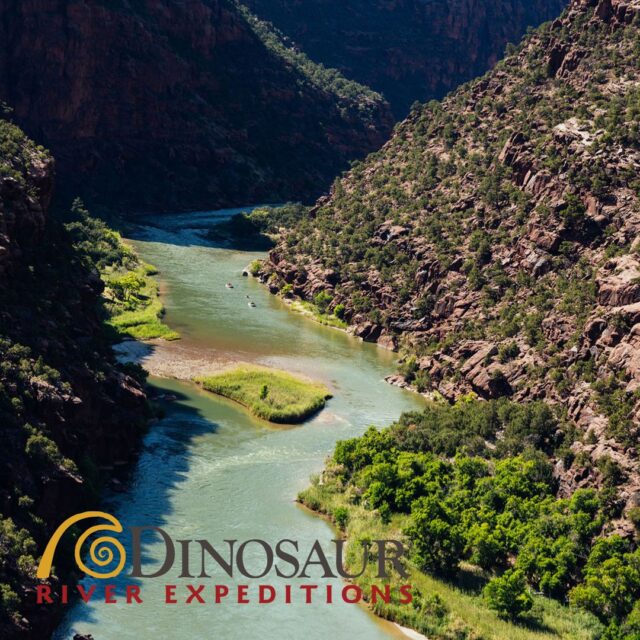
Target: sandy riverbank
{"type": "Point", "coordinates": [410, 633]}
{"type": "Point", "coordinates": [174, 359]}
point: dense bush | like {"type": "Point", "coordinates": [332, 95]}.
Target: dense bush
{"type": "Point", "coordinates": [476, 482]}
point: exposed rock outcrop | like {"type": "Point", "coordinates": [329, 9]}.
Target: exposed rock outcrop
{"type": "Point", "coordinates": [495, 237]}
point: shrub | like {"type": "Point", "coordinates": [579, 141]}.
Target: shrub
{"type": "Point", "coordinates": [322, 300]}
{"type": "Point", "coordinates": [508, 594]}
{"type": "Point", "coordinates": [255, 267]}
{"type": "Point", "coordinates": [508, 352]}
{"type": "Point", "coordinates": [9, 600]}
{"type": "Point", "coordinates": [341, 516]}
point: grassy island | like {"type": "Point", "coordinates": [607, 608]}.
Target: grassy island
{"type": "Point", "coordinates": [276, 396]}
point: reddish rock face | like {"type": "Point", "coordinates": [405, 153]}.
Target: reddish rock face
{"type": "Point", "coordinates": [165, 105]}
{"type": "Point", "coordinates": [58, 378]}
{"type": "Point", "coordinates": [407, 49]}
{"type": "Point", "coordinates": [496, 236]}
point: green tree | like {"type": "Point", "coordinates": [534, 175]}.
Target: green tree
{"type": "Point", "coordinates": [611, 587]}
{"type": "Point", "coordinates": [127, 285]}
{"type": "Point", "coordinates": [508, 594]}
{"type": "Point", "coordinates": [435, 532]}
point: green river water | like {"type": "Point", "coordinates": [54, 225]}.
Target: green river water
{"type": "Point", "coordinates": [209, 470]}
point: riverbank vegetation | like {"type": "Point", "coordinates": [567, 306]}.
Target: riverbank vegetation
{"type": "Point", "coordinates": [495, 553]}
{"type": "Point", "coordinates": [131, 294]}
{"type": "Point", "coordinates": [276, 396]}
{"type": "Point", "coordinates": [319, 312]}
{"type": "Point", "coordinates": [258, 228]}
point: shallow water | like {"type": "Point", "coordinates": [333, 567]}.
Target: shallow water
{"type": "Point", "coordinates": [210, 470]}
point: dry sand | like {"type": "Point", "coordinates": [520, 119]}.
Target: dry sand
{"type": "Point", "coordinates": [175, 359]}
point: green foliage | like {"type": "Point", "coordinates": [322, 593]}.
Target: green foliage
{"type": "Point", "coordinates": [259, 226]}
{"type": "Point", "coordinates": [471, 423]}
{"type": "Point", "coordinates": [322, 301]}
{"type": "Point", "coordinates": [508, 594]}
{"type": "Point", "coordinates": [508, 351]}
{"type": "Point", "coordinates": [132, 296]}
{"type": "Point", "coordinates": [17, 153]}
{"type": "Point", "coordinates": [435, 531]}
{"type": "Point", "coordinates": [618, 405]}
{"type": "Point", "coordinates": [96, 243]}
{"type": "Point", "coordinates": [9, 601]}
{"type": "Point", "coordinates": [634, 517]}
{"type": "Point", "coordinates": [341, 517]}
{"type": "Point", "coordinates": [574, 213]}
{"type": "Point", "coordinates": [611, 587]}
{"type": "Point", "coordinates": [475, 485]}
{"type": "Point", "coordinates": [255, 267]}
{"type": "Point", "coordinates": [127, 285]}
{"type": "Point", "coordinates": [349, 93]}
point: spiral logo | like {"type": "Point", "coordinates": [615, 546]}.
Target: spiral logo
{"type": "Point", "coordinates": [101, 549]}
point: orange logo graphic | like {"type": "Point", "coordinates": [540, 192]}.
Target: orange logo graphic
{"type": "Point", "coordinates": [100, 550]}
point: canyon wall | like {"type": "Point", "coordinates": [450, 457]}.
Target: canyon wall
{"type": "Point", "coordinates": [178, 105]}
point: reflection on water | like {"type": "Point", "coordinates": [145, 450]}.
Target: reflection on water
{"type": "Point", "coordinates": [209, 470]}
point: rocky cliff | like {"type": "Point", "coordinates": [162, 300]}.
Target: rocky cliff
{"type": "Point", "coordinates": [407, 49]}
{"type": "Point", "coordinates": [178, 105]}
{"type": "Point", "coordinates": [495, 238]}
{"type": "Point", "coordinates": [67, 413]}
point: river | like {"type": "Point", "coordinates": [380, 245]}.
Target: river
{"type": "Point", "coordinates": [210, 470]}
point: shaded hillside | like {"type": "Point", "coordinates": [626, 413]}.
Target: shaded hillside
{"type": "Point", "coordinates": [494, 239]}
{"type": "Point", "coordinates": [407, 49]}
{"type": "Point", "coordinates": [178, 105]}
{"type": "Point", "coordinates": [66, 410]}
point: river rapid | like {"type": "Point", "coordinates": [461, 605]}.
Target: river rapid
{"type": "Point", "coordinates": [210, 470]}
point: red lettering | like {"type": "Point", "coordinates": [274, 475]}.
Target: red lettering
{"type": "Point", "coordinates": [376, 593]}
{"type": "Point", "coordinates": [170, 594]}
{"type": "Point", "coordinates": [222, 591]}
{"type": "Point", "coordinates": [262, 598]}
{"type": "Point", "coordinates": [407, 596]}
{"type": "Point", "coordinates": [43, 594]}
{"type": "Point", "coordinates": [243, 590]}
{"type": "Point", "coordinates": [358, 594]}
{"type": "Point", "coordinates": [108, 594]}
{"type": "Point", "coordinates": [308, 588]}
{"type": "Point", "coordinates": [133, 593]}
{"type": "Point", "coordinates": [195, 593]}
{"type": "Point", "coordinates": [86, 595]}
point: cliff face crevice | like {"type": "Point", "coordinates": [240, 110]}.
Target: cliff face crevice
{"type": "Point", "coordinates": [176, 105]}
{"type": "Point", "coordinates": [407, 49]}
{"type": "Point", "coordinates": [67, 413]}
